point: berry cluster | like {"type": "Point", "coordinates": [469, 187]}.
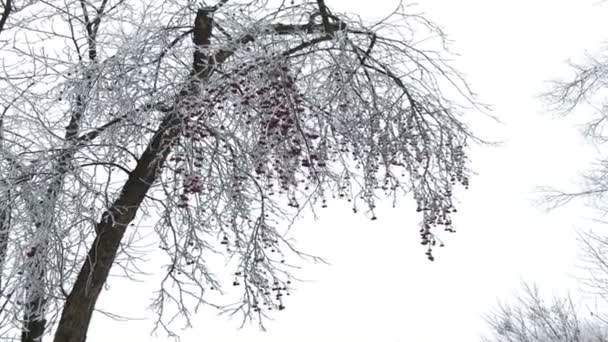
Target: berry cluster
{"type": "Point", "coordinates": [259, 104]}
{"type": "Point", "coordinates": [268, 295]}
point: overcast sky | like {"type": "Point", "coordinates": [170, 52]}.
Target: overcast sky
{"type": "Point", "coordinates": [380, 286]}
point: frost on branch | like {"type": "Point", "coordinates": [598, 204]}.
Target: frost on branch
{"type": "Point", "coordinates": [267, 111]}
{"type": "Point", "coordinates": [283, 126]}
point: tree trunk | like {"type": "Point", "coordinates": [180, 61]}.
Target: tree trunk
{"type": "Point", "coordinates": [80, 303]}
{"type": "Point", "coordinates": [34, 308]}
{"type": "Point", "coordinates": [5, 226]}
{"type": "Point", "coordinates": [35, 324]}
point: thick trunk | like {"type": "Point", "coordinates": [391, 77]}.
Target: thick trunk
{"type": "Point", "coordinates": [79, 305]}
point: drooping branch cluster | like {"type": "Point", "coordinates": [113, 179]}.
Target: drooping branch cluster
{"type": "Point", "coordinates": [270, 134]}
{"type": "Point", "coordinates": [264, 113]}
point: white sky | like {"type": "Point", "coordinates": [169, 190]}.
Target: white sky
{"type": "Point", "coordinates": [380, 286]}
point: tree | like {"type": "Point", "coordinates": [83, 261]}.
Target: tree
{"type": "Point", "coordinates": [222, 122]}
{"type": "Point", "coordinates": [586, 89]}
{"type": "Point", "coordinates": [531, 319]}
{"type": "Point", "coordinates": [585, 92]}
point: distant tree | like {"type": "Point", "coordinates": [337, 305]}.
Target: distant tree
{"type": "Point", "coordinates": [529, 318]}
{"type": "Point", "coordinates": [221, 122]}
{"type": "Point", "coordinates": [594, 257]}
{"type": "Point", "coordinates": [586, 91]}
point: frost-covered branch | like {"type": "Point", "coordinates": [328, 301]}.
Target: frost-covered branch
{"type": "Point", "coordinates": [221, 140]}
{"type": "Point", "coordinates": [530, 318]}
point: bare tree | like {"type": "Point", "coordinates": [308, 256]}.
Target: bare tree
{"type": "Point", "coordinates": [529, 318]}
{"type": "Point", "coordinates": [585, 91]}
{"type": "Point", "coordinates": [221, 122]}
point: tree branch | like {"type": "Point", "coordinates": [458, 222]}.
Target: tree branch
{"type": "Point", "coordinates": [203, 27]}
{"type": "Point", "coordinates": [324, 14]}
{"type": "Point", "coordinates": [8, 7]}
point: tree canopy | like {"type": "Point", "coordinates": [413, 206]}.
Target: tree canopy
{"type": "Point", "coordinates": [221, 122]}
